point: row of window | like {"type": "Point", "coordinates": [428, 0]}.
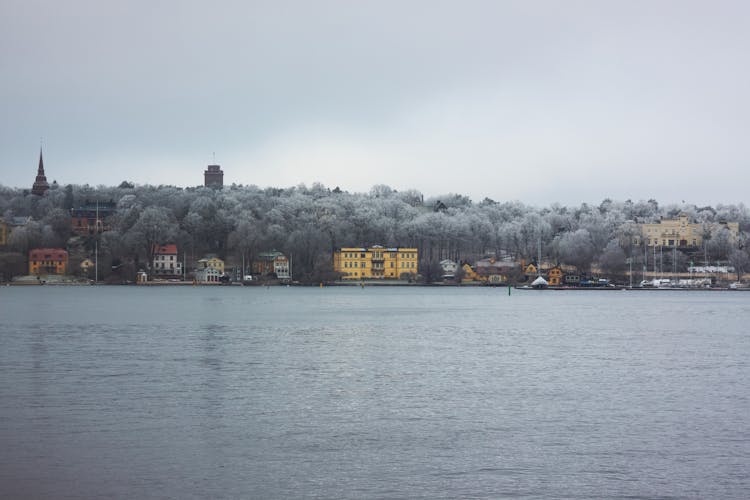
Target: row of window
{"type": "Point", "coordinates": [669, 243]}
{"type": "Point", "coordinates": [379, 255]}
{"type": "Point", "coordinates": [404, 265]}
{"type": "Point", "coordinates": [364, 275]}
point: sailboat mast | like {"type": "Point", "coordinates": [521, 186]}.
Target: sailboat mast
{"type": "Point", "coordinates": [96, 246]}
{"type": "Point", "coordinates": [539, 255]}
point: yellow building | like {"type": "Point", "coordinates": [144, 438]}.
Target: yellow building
{"type": "Point", "coordinates": [679, 232]}
{"type": "Point", "coordinates": [469, 274]}
{"type": "Point", "coordinates": [211, 262]}
{"type": "Point", "coordinates": [529, 269]}
{"type": "Point", "coordinates": [375, 262]}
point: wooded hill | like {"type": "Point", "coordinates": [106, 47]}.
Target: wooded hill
{"type": "Point", "coordinates": [308, 223]}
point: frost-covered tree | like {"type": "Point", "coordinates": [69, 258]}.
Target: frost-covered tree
{"type": "Point", "coordinates": [577, 249]}
{"type": "Point", "coordinates": [740, 260]}
{"type": "Point", "coordinates": [153, 227]}
{"type": "Point", "coordinates": [612, 260]}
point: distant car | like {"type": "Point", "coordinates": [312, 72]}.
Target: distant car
{"type": "Point", "coordinates": [248, 277]}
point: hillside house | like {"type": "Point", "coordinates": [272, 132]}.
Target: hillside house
{"type": "Point", "coordinates": [43, 261]}
{"type": "Point", "coordinates": [166, 264]}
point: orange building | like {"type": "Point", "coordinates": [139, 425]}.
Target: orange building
{"type": "Point", "coordinates": [554, 276]}
{"type": "Point", "coordinates": [48, 261]}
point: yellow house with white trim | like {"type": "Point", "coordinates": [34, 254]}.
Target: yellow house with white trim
{"type": "Point", "coordinates": [211, 262]}
{"type": "Point", "coordinates": [376, 262]}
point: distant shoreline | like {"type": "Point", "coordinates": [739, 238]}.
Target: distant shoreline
{"type": "Point", "coordinates": [373, 284]}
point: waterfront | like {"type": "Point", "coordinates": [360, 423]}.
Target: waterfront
{"type": "Point", "coordinates": [375, 392]}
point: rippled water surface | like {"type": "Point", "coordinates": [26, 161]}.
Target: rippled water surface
{"type": "Point", "coordinates": [232, 392]}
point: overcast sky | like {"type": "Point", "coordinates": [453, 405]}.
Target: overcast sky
{"type": "Point", "coordinates": [550, 101]}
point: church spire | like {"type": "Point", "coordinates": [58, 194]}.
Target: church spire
{"type": "Point", "coordinates": [40, 184]}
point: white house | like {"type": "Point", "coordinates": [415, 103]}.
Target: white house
{"type": "Point", "coordinates": [165, 261]}
{"type": "Point", "coordinates": [449, 268]}
{"type": "Point", "coordinates": [207, 275]}
{"type": "Point", "coordinates": [272, 262]}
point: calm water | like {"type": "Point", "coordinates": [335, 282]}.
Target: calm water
{"type": "Point", "coordinates": [230, 392]}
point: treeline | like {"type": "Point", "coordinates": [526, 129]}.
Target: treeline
{"type": "Point", "coordinates": [308, 223]}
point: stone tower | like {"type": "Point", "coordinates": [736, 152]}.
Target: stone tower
{"type": "Point", "coordinates": [40, 184]}
{"type": "Point", "coordinates": [213, 176]}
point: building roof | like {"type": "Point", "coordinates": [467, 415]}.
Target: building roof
{"type": "Point", "coordinates": [491, 263]}
{"type": "Point", "coordinates": [103, 208]}
{"type": "Point", "coordinates": [170, 249]}
{"type": "Point", "coordinates": [18, 221]}
{"type": "Point", "coordinates": [210, 257]}
{"type": "Point", "coordinates": [40, 183]}
{"type": "Point", "coordinates": [539, 282]}
{"type": "Point", "coordinates": [48, 254]}
{"type": "Point", "coordinates": [272, 255]}
{"type": "Point", "coordinates": [377, 247]}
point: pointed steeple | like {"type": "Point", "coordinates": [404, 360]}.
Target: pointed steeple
{"type": "Point", "coordinates": [40, 184]}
